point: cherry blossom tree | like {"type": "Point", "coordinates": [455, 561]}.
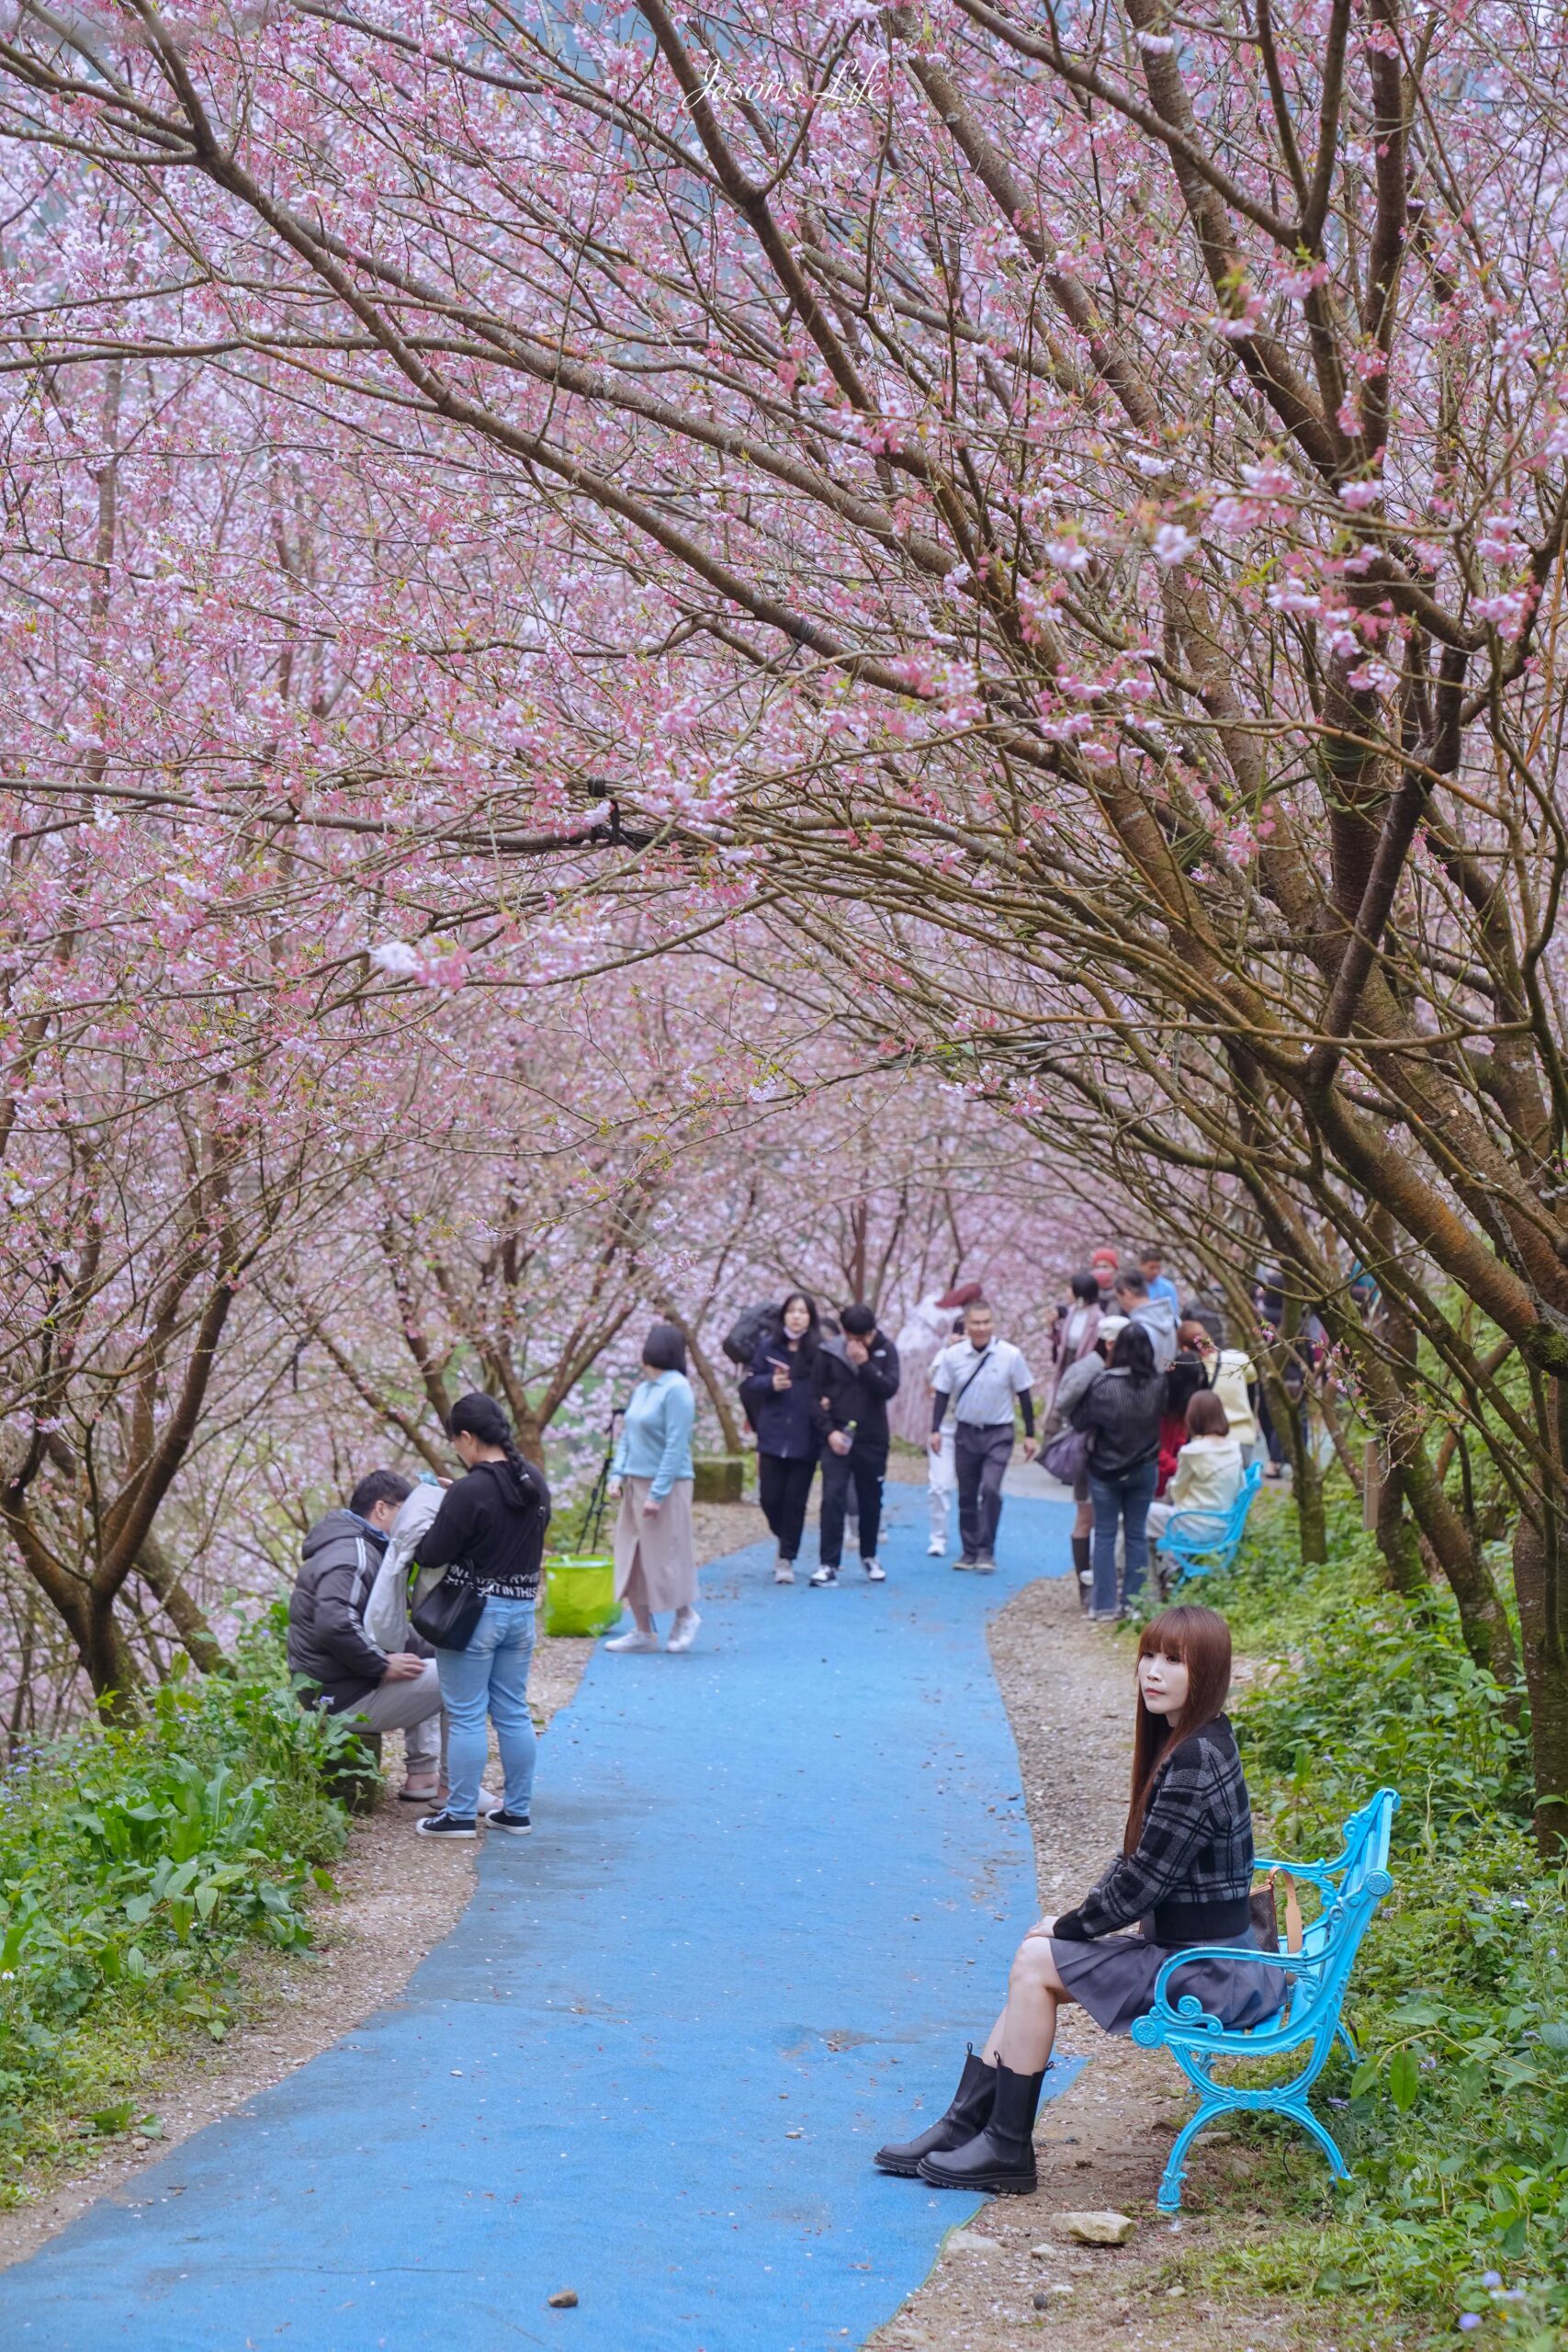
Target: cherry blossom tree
{"type": "Point", "coordinates": [1068, 514]}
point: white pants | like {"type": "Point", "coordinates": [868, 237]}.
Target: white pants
{"type": "Point", "coordinates": [413, 1708]}
{"type": "Point", "coordinates": [941, 1484]}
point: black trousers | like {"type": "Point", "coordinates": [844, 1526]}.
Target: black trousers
{"type": "Point", "coordinates": [783, 1489]}
{"type": "Point", "coordinates": [865, 1466]}
{"type": "Point", "coordinates": [980, 1455]}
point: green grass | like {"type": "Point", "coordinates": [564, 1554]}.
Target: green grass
{"type": "Point", "coordinates": [135, 1866]}
{"type": "Point", "coordinates": [1455, 2124]}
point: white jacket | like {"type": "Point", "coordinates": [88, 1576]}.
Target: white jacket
{"type": "Point", "coordinates": [1231, 1373]}
{"type": "Point", "coordinates": [386, 1610]}
{"type": "Point", "coordinates": [1208, 1474]}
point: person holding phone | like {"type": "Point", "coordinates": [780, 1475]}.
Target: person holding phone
{"type": "Point", "coordinates": [779, 1391]}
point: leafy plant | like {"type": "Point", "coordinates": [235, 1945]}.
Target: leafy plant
{"type": "Point", "coordinates": [1454, 2118]}
{"type": "Point", "coordinates": [135, 1863]}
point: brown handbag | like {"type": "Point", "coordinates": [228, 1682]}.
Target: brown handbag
{"type": "Point", "coordinates": [1263, 1905]}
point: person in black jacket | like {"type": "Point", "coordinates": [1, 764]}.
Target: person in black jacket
{"type": "Point", "coordinates": [857, 1376]}
{"type": "Point", "coordinates": [490, 1535]}
{"type": "Point", "coordinates": [1184, 1871]}
{"type": "Point", "coordinates": [328, 1645]}
{"type": "Point", "coordinates": [780, 1396]}
{"type": "Point", "coordinates": [1120, 1412]}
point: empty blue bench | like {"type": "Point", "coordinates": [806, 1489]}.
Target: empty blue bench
{"type": "Point", "coordinates": [1316, 1977]}
{"type": "Point", "coordinates": [1196, 1541]}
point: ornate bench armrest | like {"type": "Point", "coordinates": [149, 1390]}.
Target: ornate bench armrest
{"type": "Point", "coordinates": [1190, 2016]}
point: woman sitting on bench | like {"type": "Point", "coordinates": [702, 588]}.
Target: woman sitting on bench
{"type": "Point", "coordinates": [1184, 1876]}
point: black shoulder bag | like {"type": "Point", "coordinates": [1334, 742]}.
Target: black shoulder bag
{"type": "Point", "coordinates": [449, 1613]}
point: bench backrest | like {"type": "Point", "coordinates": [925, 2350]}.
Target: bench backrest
{"type": "Point", "coordinates": [1353, 1884]}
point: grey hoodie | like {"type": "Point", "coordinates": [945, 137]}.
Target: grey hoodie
{"type": "Point", "coordinates": [1158, 1319]}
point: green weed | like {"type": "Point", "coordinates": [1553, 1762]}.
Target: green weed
{"type": "Point", "coordinates": [134, 1864]}
{"type": "Point", "coordinates": [1455, 2119]}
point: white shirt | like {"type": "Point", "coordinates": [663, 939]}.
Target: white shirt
{"type": "Point", "coordinates": [989, 1381]}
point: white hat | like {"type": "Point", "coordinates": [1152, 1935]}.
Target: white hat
{"type": "Point", "coordinates": [1110, 1324]}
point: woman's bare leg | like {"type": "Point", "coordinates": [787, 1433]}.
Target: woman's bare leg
{"type": "Point", "coordinates": [1025, 2034]}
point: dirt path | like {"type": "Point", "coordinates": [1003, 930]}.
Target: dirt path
{"type": "Point", "coordinates": [397, 1895]}
{"type": "Point", "coordinates": [1103, 2141]}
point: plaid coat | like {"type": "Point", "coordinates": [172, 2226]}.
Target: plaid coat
{"type": "Point", "coordinates": [1190, 1872]}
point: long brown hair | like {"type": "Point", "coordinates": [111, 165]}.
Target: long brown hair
{"type": "Point", "coordinates": [1201, 1639]}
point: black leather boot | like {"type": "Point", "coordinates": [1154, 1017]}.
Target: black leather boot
{"type": "Point", "coordinates": [1000, 2158]}
{"type": "Point", "coordinates": [1082, 1572]}
{"type": "Point", "coordinates": [968, 2114]}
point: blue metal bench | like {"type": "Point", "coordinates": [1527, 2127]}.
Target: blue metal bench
{"type": "Point", "coordinates": [1196, 1541]}
{"type": "Point", "coordinates": [1315, 1979]}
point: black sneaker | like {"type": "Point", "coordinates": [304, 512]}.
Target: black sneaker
{"type": "Point", "coordinates": [446, 1825]}
{"type": "Point", "coordinates": [516, 1825]}
{"type": "Point", "coordinates": [825, 1575]}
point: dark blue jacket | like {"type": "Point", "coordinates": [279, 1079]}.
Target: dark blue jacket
{"type": "Point", "coordinates": [784, 1419]}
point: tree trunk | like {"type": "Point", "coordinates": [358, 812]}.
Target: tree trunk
{"type": "Point", "coordinates": [1397, 1539]}
{"type": "Point", "coordinates": [107, 1661]}
{"type": "Point", "coordinates": [180, 1606]}
{"type": "Point", "coordinates": [1536, 1582]}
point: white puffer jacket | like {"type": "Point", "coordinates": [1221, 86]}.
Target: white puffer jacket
{"type": "Point", "coordinates": [386, 1610]}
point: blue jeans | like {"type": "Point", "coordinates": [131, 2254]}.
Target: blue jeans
{"type": "Point", "coordinates": [490, 1676]}
{"type": "Point", "coordinates": [1123, 1501]}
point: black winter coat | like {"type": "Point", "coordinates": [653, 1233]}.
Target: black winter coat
{"type": "Point", "coordinates": [1123, 1416]}
{"type": "Point", "coordinates": [855, 1397]}
{"type": "Point", "coordinates": [326, 1610]}
{"type": "Point", "coordinates": [786, 1419]}
{"type": "Point", "coordinates": [493, 1522]}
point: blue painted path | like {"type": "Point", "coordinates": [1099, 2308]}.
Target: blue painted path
{"type": "Point", "coordinates": [773, 1888]}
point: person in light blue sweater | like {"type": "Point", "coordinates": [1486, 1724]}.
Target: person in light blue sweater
{"type": "Point", "coordinates": [650, 1473]}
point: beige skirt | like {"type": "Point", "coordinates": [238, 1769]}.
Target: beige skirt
{"type": "Point", "coordinates": [656, 1563]}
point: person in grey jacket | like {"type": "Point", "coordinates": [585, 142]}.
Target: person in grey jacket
{"type": "Point", "coordinates": [1157, 1316]}
{"type": "Point", "coordinates": [328, 1644]}
{"type": "Point", "coordinates": [1075, 1379]}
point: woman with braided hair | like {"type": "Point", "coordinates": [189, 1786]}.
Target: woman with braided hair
{"type": "Point", "coordinates": [488, 1533]}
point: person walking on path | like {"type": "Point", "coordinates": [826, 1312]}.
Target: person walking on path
{"type": "Point", "coordinates": [1151, 1265]}
{"type": "Point", "coordinates": [1072, 1383]}
{"type": "Point", "coordinates": [651, 1476]}
{"type": "Point", "coordinates": [780, 1392]}
{"type": "Point", "coordinates": [942, 1479]}
{"type": "Point", "coordinates": [859, 1378]}
{"type": "Point", "coordinates": [490, 1533]}
{"type": "Point", "coordinates": [1104, 1264]}
{"type": "Point", "coordinates": [1074, 1335]}
{"type": "Point", "coordinates": [1157, 1314]}
{"type": "Point", "coordinates": [1183, 1878]}
{"type": "Point", "coordinates": [984, 1377]}
{"type": "Point", "coordinates": [377, 1690]}
{"type": "Point", "coordinates": [1120, 1413]}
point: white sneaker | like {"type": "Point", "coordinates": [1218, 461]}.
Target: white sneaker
{"type": "Point", "coordinates": [783, 1571]}
{"type": "Point", "coordinates": [490, 1803]}
{"type": "Point", "coordinates": [635, 1640]}
{"type": "Point", "coordinates": [684, 1632]}
{"type": "Point", "coordinates": [874, 1570]}
{"type": "Point", "coordinates": [936, 1549]}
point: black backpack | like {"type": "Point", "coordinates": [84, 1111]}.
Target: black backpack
{"type": "Point", "coordinates": [746, 1334]}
